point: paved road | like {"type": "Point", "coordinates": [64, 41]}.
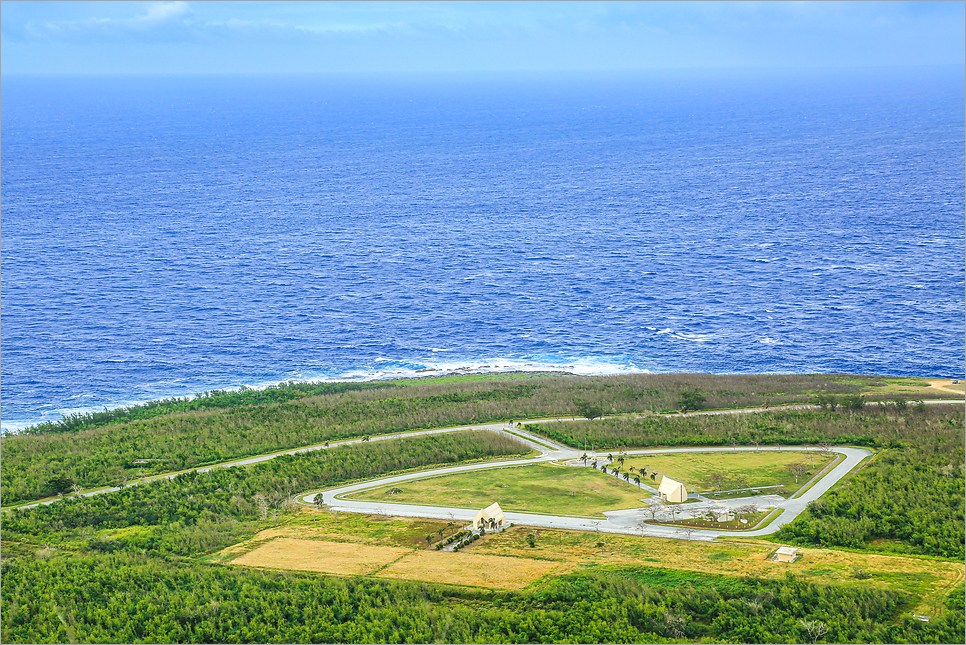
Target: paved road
{"type": "Point", "coordinates": [533, 442]}
{"type": "Point", "coordinates": [616, 522]}
{"type": "Point", "coordinates": [254, 460]}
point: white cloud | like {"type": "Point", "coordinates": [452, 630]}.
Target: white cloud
{"type": "Point", "coordinates": [418, 36]}
{"type": "Point", "coordinates": [162, 21]}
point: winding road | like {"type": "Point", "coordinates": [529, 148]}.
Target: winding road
{"type": "Point", "coordinates": [624, 521]}
{"type": "Point", "coordinates": [615, 521]}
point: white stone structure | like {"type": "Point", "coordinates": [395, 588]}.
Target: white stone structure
{"type": "Point", "coordinates": [786, 554]}
{"type": "Point", "coordinates": [492, 513]}
{"type": "Point", "coordinates": [672, 491]}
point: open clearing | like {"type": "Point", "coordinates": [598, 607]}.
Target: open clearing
{"type": "Point", "coordinates": [541, 488]}
{"type": "Point", "coordinates": [315, 538]}
{"type": "Point", "coordinates": [352, 558]}
{"type": "Point", "coordinates": [948, 385]}
{"type": "Point", "coordinates": [324, 557]}
{"type": "Point", "coordinates": [754, 468]}
{"type": "Point", "coordinates": [475, 570]}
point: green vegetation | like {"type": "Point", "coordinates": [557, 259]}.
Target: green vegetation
{"type": "Point", "coordinates": [541, 488]}
{"type": "Point", "coordinates": [100, 449]}
{"type": "Point", "coordinates": [691, 401]}
{"type": "Point", "coordinates": [146, 563]}
{"type": "Point", "coordinates": [906, 501]}
{"type": "Point", "coordinates": [874, 427]}
{"type": "Point", "coordinates": [589, 410]}
{"type": "Point", "coordinates": [211, 400]}
{"type": "Point", "coordinates": [130, 598]}
{"type": "Point", "coordinates": [707, 471]}
{"type": "Point", "coordinates": [197, 513]}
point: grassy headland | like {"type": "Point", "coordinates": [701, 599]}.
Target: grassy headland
{"type": "Point", "coordinates": [177, 434]}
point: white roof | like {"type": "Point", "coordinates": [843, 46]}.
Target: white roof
{"type": "Point", "coordinates": [787, 550]}
{"type": "Point", "coordinates": [668, 485]}
{"type": "Point", "coordinates": [493, 510]}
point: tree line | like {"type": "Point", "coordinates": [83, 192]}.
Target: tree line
{"type": "Point", "coordinates": [209, 400]}
{"type": "Point", "coordinates": [909, 498]}
{"type": "Point", "coordinates": [135, 599]}
{"type": "Point", "coordinates": [197, 513]}
{"type": "Point", "coordinates": [105, 448]}
{"type": "Point", "coordinates": [874, 427]}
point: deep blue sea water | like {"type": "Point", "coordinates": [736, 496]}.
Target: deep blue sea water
{"type": "Point", "coordinates": [166, 236]}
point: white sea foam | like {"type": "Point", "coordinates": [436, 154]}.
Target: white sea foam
{"type": "Point", "coordinates": [402, 369]}
{"type": "Point", "coordinates": [694, 338]}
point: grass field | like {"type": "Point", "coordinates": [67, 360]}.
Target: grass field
{"type": "Point", "coordinates": [756, 469]}
{"type": "Point", "coordinates": [470, 569]}
{"type": "Point", "coordinates": [400, 551]}
{"type": "Point", "coordinates": [324, 557]}
{"type": "Point", "coordinates": [541, 488]}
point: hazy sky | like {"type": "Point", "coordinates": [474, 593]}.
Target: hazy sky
{"type": "Point", "coordinates": [240, 37]}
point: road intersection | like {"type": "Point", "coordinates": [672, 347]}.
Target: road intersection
{"type": "Point", "coordinates": [627, 521]}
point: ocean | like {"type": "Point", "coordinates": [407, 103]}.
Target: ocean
{"type": "Point", "coordinates": [163, 236]}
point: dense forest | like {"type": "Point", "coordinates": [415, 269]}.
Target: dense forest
{"type": "Point", "coordinates": [197, 513]}
{"type": "Point", "coordinates": [134, 599]}
{"type": "Point", "coordinates": [937, 427]}
{"type": "Point", "coordinates": [905, 502]}
{"type": "Point", "coordinates": [210, 400]}
{"type": "Point", "coordinates": [101, 449]}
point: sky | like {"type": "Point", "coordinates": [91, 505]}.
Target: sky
{"type": "Point", "coordinates": [464, 37]}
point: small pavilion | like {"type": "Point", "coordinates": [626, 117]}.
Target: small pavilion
{"type": "Point", "coordinates": [492, 516]}
{"type": "Point", "coordinates": [672, 491]}
{"type": "Point", "coordinates": [786, 554]}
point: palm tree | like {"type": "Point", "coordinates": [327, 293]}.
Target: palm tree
{"type": "Point", "coordinates": [610, 457]}
{"type": "Point", "coordinates": [583, 458]}
{"type": "Point", "coordinates": [620, 460]}
{"type": "Point", "coordinates": [637, 480]}
{"type": "Point", "coordinates": [593, 464]}
{"type": "Point", "coordinates": [627, 476]}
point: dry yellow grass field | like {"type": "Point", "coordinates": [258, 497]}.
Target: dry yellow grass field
{"type": "Point", "coordinates": [490, 571]}
{"type": "Point", "coordinates": [947, 385]}
{"type": "Point", "coordinates": [930, 580]}
{"type": "Point", "coordinates": [353, 558]}
{"type": "Point", "coordinates": [341, 558]}
{"type": "Point", "coordinates": [394, 547]}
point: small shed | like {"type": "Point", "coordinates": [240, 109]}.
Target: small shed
{"type": "Point", "coordinates": [672, 491]}
{"type": "Point", "coordinates": [786, 554]}
{"type": "Point", "coordinates": [491, 515]}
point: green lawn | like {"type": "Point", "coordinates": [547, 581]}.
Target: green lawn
{"type": "Point", "coordinates": [541, 488]}
{"type": "Point", "coordinates": [757, 468]}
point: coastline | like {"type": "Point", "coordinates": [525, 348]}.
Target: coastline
{"type": "Point", "coordinates": [939, 386]}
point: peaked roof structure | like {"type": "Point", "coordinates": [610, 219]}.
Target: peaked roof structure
{"type": "Point", "coordinates": [672, 491]}
{"type": "Point", "coordinates": [491, 512]}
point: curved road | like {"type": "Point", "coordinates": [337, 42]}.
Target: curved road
{"type": "Point", "coordinates": [538, 443]}
{"type": "Point", "coordinates": [625, 521]}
